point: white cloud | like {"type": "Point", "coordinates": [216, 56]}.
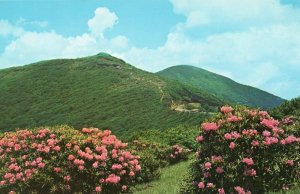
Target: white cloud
{"type": "Point", "coordinates": [7, 29]}
{"type": "Point", "coordinates": [103, 20]}
{"type": "Point", "coordinates": [22, 22]}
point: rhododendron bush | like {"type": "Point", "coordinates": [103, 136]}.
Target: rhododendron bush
{"type": "Point", "coordinates": [178, 153]}
{"type": "Point", "coordinates": [65, 161]}
{"type": "Point", "coordinates": [245, 151]}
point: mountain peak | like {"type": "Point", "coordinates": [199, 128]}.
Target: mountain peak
{"type": "Point", "coordinates": [103, 54]}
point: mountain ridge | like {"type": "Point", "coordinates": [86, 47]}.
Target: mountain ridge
{"type": "Point", "coordinates": [222, 86]}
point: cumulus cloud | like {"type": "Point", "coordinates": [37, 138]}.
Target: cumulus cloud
{"type": "Point", "coordinates": [104, 19]}
{"type": "Point", "coordinates": [23, 22]}
{"type": "Point", "coordinates": [7, 29]}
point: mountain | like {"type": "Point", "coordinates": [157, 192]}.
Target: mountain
{"type": "Point", "coordinates": [97, 91]}
{"type": "Point", "coordinates": [221, 86]}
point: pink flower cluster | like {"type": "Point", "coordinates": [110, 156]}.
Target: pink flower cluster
{"type": "Point", "coordinates": [210, 126]}
{"type": "Point", "coordinates": [178, 153]}
{"type": "Point", "coordinates": [226, 109]}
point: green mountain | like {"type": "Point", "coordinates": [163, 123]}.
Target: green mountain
{"type": "Point", "coordinates": [221, 86]}
{"type": "Point", "coordinates": [97, 91]}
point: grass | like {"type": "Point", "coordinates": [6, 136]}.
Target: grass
{"type": "Point", "coordinates": [292, 191]}
{"type": "Point", "coordinates": [169, 182]}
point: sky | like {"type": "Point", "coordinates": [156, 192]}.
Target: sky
{"type": "Point", "coordinates": [254, 42]}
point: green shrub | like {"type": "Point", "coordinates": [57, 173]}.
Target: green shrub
{"type": "Point", "coordinates": [153, 157]}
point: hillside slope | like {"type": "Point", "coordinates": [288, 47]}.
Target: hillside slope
{"type": "Point", "coordinates": [221, 86]}
{"type": "Point", "coordinates": [100, 91]}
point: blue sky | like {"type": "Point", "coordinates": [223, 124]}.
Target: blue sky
{"type": "Point", "coordinates": [254, 42]}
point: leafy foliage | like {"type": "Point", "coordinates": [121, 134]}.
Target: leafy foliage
{"type": "Point", "coordinates": [221, 86]}
{"type": "Point", "coordinates": [288, 108]}
{"type": "Point", "coordinates": [182, 135]}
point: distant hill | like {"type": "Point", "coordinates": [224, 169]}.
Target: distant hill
{"type": "Point", "coordinates": [100, 91]}
{"type": "Point", "coordinates": [221, 86]}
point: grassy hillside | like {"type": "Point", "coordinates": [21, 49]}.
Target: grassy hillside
{"type": "Point", "coordinates": [100, 91]}
{"type": "Point", "coordinates": [221, 86]}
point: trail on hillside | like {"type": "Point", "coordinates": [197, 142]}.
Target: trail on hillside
{"type": "Point", "coordinates": [169, 182]}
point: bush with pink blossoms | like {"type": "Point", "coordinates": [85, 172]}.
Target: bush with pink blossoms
{"type": "Point", "coordinates": [244, 151]}
{"type": "Point", "coordinates": [178, 153]}
{"type": "Point", "coordinates": [64, 160]}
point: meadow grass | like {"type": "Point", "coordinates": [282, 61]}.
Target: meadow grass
{"type": "Point", "coordinates": [169, 182]}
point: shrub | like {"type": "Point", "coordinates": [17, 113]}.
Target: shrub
{"type": "Point", "coordinates": [244, 151]}
{"type": "Point", "coordinates": [65, 161]}
{"type": "Point", "coordinates": [178, 154]}
{"type": "Point", "coordinates": [153, 156]}
{"type": "Point", "coordinates": [181, 135]}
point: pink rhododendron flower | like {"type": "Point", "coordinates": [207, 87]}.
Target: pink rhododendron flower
{"type": "Point", "coordinates": [207, 165]}
{"type": "Point", "coordinates": [98, 189]}
{"type": "Point", "coordinates": [255, 143]}
{"type": "Point", "coordinates": [266, 133]}
{"type": "Point", "coordinates": [71, 157]}
{"type": "Point", "coordinates": [81, 168]}
{"type": "Point", "coordinates": [270, 123]}
{"type": "Point", "coordinates": [248, 161]}
{"type": "Point", "coordinates": [239, 190]}
{"type": "Point", "coordinates": [200, 138]}
{"type": "Point", "coordinates": [235, 135]}
{"type": "Point", "coordinates": [219, 170]}
{"type": "Point", "coordinates": [67, 178]}
{"type": "Point", "coordinates": [112, 178]}
{"type": "Point", "coordinates": [210, 126]}
{"type": "Point", "coordinates": [201, 185]}
{"type": "Point", "coordinates": [206, 175]}
{"type": "Point", "coordinates": [250, 172]}
{"type": "Point", "coordinates": [95, 165]}
{"type": "Point", "coordinates": [232, 145]}
{"type": "Point", "coordinates": [124, 187]}
{"type": "Point", "coordinates": [227, 136]}
{"type": "Point", "coordinates": [57, 169]}
{"type": "Point", "coordinates": [263, 113]}
{"type": "Point", "coordinates": [226, 109]}
{"type": "Point", "coordinates": [131, 173]}
{"type": "Point", "coordinates": [290, 162]}
{"type": "Point", "coordinates": [234, 119]}
{"type": "Point", "coordinates": [221, 191]}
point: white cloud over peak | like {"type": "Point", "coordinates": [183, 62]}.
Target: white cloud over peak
{"type": "Point", "coordinates": [103, 20]}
